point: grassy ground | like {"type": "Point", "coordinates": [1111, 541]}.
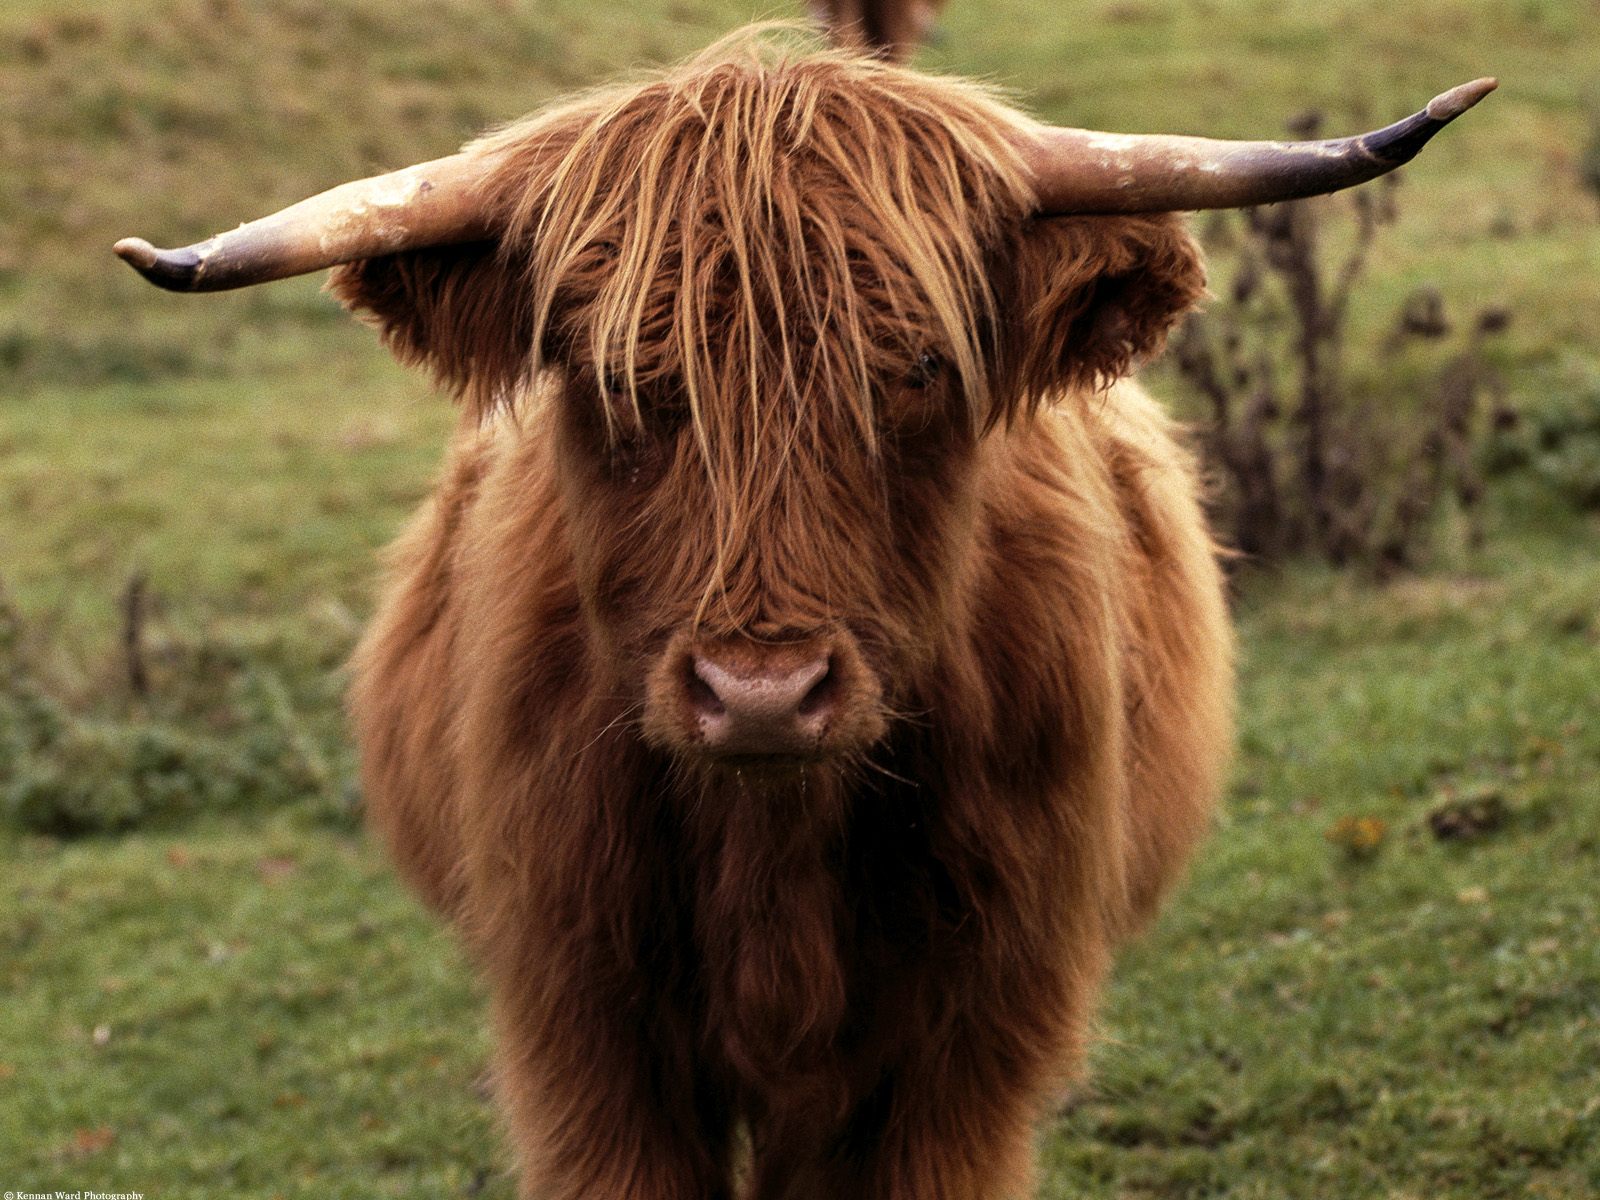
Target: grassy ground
{"type": "Point", "coordinates": [1341, 1004]}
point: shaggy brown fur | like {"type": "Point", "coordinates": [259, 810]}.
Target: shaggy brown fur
{"type": "Point", "coordinates": [770, 357]}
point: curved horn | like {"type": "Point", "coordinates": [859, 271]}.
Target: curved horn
{"type": "Point", "coordinates": [431, 204]}
{"type": "Point", "coordinates": [1080, 171]}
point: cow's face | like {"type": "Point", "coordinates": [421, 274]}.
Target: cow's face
{"type": "Point", "coordinates": [781, 320]}
{"type": "Point", "coordinates": [769, 565]}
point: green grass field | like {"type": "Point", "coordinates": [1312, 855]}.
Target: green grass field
{"type": "Point", "coordinates": [227, 994]}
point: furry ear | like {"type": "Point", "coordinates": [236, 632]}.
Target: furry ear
{"type": "Point", "coordinates": [460, 311]}
{"type": "Point", "coordinates": [1083, 298]}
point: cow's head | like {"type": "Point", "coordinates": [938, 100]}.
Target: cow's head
{"type": "Point", "coordinates": [772, 309]}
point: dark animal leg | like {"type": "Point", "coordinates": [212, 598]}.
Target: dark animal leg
{"type": "Point", "coordinates": [599, 1111]}
{"type": "Point", "coordinates": [955, 1129]}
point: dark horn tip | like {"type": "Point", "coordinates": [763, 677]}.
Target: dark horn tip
{"type": "Point", "coordinates": [1402, 141]}
{"type": "Point", "coordinates": [1451, 104]}
{"type": "Point", "coordinates": [175, 270]}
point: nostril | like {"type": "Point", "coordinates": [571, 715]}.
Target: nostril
{"type": "Point", "coordinates": [821, 695]}
{"type": "Point", "coordinates": [703, 697]}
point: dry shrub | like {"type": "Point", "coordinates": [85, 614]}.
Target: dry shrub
{"type": "Point", "coordinates": [1557, 441]}
{"type": "Point", "coordinates": [1312, 456]}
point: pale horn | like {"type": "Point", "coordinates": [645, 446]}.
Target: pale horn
{"type": "Point", "coordinates": [1081, 171]}
{"type": "Point", "coordinates": [430, 204]}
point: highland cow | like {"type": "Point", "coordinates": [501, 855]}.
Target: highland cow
{"type": "Point", "coordinates": [813, 661]}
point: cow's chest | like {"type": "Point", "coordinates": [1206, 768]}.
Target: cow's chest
{"type": "Point", "coordinates": [814, 939]}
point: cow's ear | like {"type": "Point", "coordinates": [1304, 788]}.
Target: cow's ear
{"type": "Point", "coordinates": [459, 311]}
{"type": "Point", "coordinates": [1083, 299]}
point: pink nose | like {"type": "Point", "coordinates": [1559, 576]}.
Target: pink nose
{"type": "Point", "coordinates": [762, 705]}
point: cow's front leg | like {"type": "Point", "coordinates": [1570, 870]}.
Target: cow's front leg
{"type": "Point", "coordinates": [601, 1105]}
{"type": "Point", "coordinates": [956, 1120]}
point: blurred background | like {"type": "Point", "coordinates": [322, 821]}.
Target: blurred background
{"type": "Point", "coordinates": [1383, 979]}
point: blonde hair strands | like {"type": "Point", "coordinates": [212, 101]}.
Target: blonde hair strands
{"type": "Point", "coordinates": [736, 239]}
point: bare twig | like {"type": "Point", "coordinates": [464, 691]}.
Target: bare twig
{"type": "Point", "coordinates": [134, 614]}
